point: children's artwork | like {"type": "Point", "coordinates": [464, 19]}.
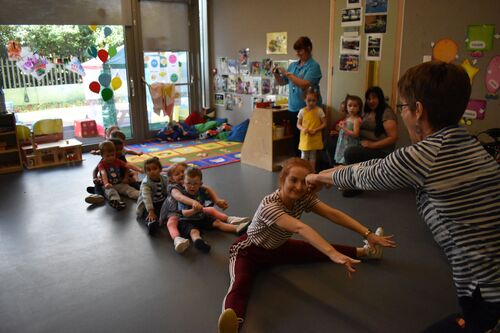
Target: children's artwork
{"type": "Point", "coordinates": [266, 86]}
{"type": "Point", "coordinates": [375, 24]}
{"type": "Point", "coordinates": [470, 69]}
{"type": "Point", "coordinates": [240, 85]}
{"type": "Point", "coordinates": [480, 37]}
{"type": "Point", "coordinates": [220, 83]}
{"type": "Point", "coordinates": [349, 62]}
{"type": "Point", "coordinates": [476, 109]}
{"type": "Point", "coordinates": [219, 99]}
{"type": "Point", "coordinates": [255, 85]}
{"type": "Point", "coordinates": [445, 50]}
{"type": "Point", "coordinates": [222, 65]}
{"type": "Point", "coordinates": [353, 3]}
{"type": "Point", "coordinates": [34, 64]}
{"type": "Point", "coordinates": [232, 66]}
{"type": "Point", "coordinates": [232, 81]}
{"type": "Point", "coordinates": [280, 63]}
{"type": "Point", "coordinates": [75, 66]}
{"type": "Point", "coordinates": [238, 102]}
{"type": "Point", "coordinates": [492, 78]}
{"type": "Point", "coordinates": [229, 102]}
{"type": "Point", "coordinates": [351, 17]}
{"type": "Point", "coordinates": [255, 67]}
{"type": "Point", "coordinates": [14, 50]}
{"type": "Point", "coordinates": [351, 31]}
{"type": "Point", "coordinates": [374, 47]}
{"type": "Point", "coordinates": [375, 6]}
{"type": "Point", "coordinates": [350, 45]}
{"type": "Point", "coordinates": [244, 56]}
{"type": "Point", "coordinates": [267, 67]}
{"type": "Point", "coordinates": [244, 70]}
{"type": "Point", "coordinates": [247, 84]}
{"type": "Point", "coordinates": [276, 43]}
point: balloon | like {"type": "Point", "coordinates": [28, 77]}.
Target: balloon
{"type": "Point", "coordinates": [95, 87]}
{"type": "Point", "coordinates": [492, 79]}
{"type": "Point", "coordinates": [107, 94]}
{"type": "Point", "coordinates": [471, 70]}
{"type": "Point", "coordinates": [93, 27]}
{"type": "Point", "coordinates": [107, 31]}
{"type": "Point", "coordinates": [103, 55]}
{"type": "Point", "coordinates": [104, 79]}
{"type": "Point", "coordinates": [445, 50]}
{"type": "Point", "coordinates": [172, 59]}
{"type": "Point", "coordinates": [112, 51]}
{"type": "Point", "coordinates": [92, 51]}
{"type": "Point", "coordinates": [116, 83]}
{"type": "Point", "coordinates": [174, 77]}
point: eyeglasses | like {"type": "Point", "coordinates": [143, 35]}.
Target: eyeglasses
{"type": "Point", "coordinates": [399, 107]}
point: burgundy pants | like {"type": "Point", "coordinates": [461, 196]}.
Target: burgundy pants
{"type": "Point", "coordinates": [247, 259]}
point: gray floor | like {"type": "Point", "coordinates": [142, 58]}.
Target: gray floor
{"type": "Point", "coordinates": [66, 267]}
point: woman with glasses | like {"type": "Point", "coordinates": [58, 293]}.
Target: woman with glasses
{"type": "Point", "coordinates": [457, 185]}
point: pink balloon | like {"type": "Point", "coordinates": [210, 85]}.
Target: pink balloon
{"type": "Point", "coordinates": [103, 55]}
{"type": "Point", "coordinates": [95, 87]}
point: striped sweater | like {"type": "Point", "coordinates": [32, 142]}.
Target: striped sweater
{"type": "Point", "coordinates": [458, 195]}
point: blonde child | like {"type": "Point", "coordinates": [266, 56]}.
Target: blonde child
{"type": "Point", "coordinates": [310, 121]}
{"type": "Point", "coordinates": [152, 194]}
{"type": "Point", "coordinates": [195, 218]}
{"type": "Point", "coordinates": [331, 141]}
{"type": "Point", "coordinates": [349, 128]}
{"type": "Point", "coordinates": [110, 174]}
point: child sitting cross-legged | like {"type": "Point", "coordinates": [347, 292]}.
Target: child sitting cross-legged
{"type": "Point", "coordinates": [111, 175]}
{"type": "Point", "coordinates": [152, 194]}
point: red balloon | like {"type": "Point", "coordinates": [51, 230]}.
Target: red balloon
{"type": "Point", "coordinates": [103, 55]}
{"type": "Point", "coordinates": [95, 87]}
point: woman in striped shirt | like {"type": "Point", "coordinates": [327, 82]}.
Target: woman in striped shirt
{"type": "Point", "coordinates": [268, 242]}
{"type": "Point", "coordinates": [457, 185]}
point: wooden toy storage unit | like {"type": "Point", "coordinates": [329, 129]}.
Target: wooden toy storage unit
{"type": "Point", "coordinates": [52, 153]}
{"type": "Point", "coordinates": [10, 158]}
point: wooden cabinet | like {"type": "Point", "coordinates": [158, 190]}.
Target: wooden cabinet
{"type": "Point", "coordinates": [260, 148]}
{"type": "Point", "coordinates": [52, 153]}
{"type": "Point", "coordinates": [10, 157]}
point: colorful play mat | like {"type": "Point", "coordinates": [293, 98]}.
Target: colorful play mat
{"type": "Point", "coordinates": [207, 153]}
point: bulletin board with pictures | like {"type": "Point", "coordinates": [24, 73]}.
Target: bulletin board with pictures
{"type": "Point", "coordinates": [362, 19]}
{"type": "Point", "coordinates": [236, 78]}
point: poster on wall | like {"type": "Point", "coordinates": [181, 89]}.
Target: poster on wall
{"type": "Point", "coordinates": [375, 24]}
{"type": "Point", "coordinates": [220, 83]}
{"type": "Point", "coordinates": [255, 67]}
{"type": "Point", "coordinates": [266, 86]}
{"type": "Point", "coordinates": [280, 63]}
{"type": "Point", "coordinates": [222, 65]}
{"type": "Point", "coordinates": [276, 42]}
{"type": "Point", "coordinates": [351, 17]}
{"type": "Point", "coordinates": [375, 6]}
{"type": "Point", "coordinates": [350, 45]}
{"type": "Point", "coordinates": [232, 66]}
{"type": "Point", "coordinates": [353, 3]}
{"type": "Point", "coordinates": [229, 100]}
{"type": "Point", "coordinates": [219, 99]}
{"type": "Point", "coordinates": [476, 109]}
{"type": "Point", "coordinates": [349, 62]}
{"type": "Point", "coordinates": [267, 67]}
{"type": "Point", "coordinates": [243, 56]}
{"type": "Point", "coordinates": [374, 47]}
{"type": "Point", "coordinates": [480, 37]}
{"type": "Point", "coordinates": [231, 83]}
{"type": "Point", "coordinates": [256, 84]}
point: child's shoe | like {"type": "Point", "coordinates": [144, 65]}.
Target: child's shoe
{"type": "Point", "coordinates": [241, 229]}
{"type": "Point", "coordinates": [228, 321]}
{"type": "Point", "coordinates": [181, 244]}
{"type": "Point", "coordinates": [152, 227]}
{"type": "Point", "coordinates": [373, 252]}
{"type": "Point", "coordinates": [95, 199]}
{"type": "Point", "coordinates": [118, 205]}
{"type": "Point", "coordinates": [201, 245]}
{"type": "Point", "coordinates": [237, 219]}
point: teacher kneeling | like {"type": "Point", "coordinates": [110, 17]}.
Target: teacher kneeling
{"type": "Point", "coordinates": [457, 185]}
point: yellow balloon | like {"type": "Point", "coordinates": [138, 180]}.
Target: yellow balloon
{"type": "Point", "coordinates": [116, 83]}
{"type": "Point", "coordinates": [471, 70]}
{"type": "Point", "coordinates": [93, 27]}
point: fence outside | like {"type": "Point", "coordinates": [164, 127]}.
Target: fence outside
{"type": "Point", "coordinates": [13, 77]}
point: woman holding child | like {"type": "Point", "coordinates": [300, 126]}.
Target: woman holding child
{"type": "Point", "coordinates": [457, 184]}
{"type": "Point", "coordinates": [267, 242]}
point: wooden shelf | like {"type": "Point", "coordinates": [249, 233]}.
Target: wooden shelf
{"type": "Point", "coordinates": [7, 133]}
{"type": "Point", "coordinates": [9, 150]}
{"type": "Point", "coordinates": [11, 168]}
{"type": "Point", "coordinates": [10, 157]}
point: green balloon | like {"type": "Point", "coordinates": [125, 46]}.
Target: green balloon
{"type": "Point", "coordinates": [174, 77]}
{"type": "Point", "coordinates": [112, 51]}
{"type": "Point", "coordinates": [107, 94]}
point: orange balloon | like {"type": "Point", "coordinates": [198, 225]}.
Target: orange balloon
{"type": "Point", "coordinates": [445, 50]}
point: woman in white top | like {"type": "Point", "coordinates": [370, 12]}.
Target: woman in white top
{"type": "Point", "coordinates": [268, 242]}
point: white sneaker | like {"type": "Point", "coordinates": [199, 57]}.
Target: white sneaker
{"type": "Point", "coordinates": [181, 244]}
{"type": "Point", "coordinates": [237, 219]}
{"type": "Point", "coordinates": [374, 252]}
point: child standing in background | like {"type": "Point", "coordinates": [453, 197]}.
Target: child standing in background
{"type": "Point", "coordinates": [310, 121]}
{"type": "Point", "coordinates": [152, 195]}
{"type": "Point", "coordinates": [331, 141]}
{"type": "Point", "coordinates": [349, 128]}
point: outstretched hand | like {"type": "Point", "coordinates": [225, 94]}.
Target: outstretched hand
{"type": "Point", "coordinates": [385, 241]}
{"type": "Point", "coordinates": [348, 262]}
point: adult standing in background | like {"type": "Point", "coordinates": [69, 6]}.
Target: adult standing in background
{"type": "Point", "coordinates": [299, 76]}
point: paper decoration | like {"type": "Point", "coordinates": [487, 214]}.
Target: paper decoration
{"type": "Point", "coordinates": [476, 109]}
{"type": "Point", "coordinates": [107, 94]}
{"type": "Point", "coordinates": [238, 101]}
{"type": "Point", "coordinates": [116, 83]}
{"type": "Point", "coordinates": [480, 37]}
{"type": "Point", "coordinates": [93, 27]}
{"type": "Point", "coordinates": [349, 62]}
{"type": "Point", "coordinates": [107, 31]}
{"type": "Point", "coordinates": [267, 67]}
{"type": "Point", "coordinates": [255, 67]}
{"type": "Point", "coordinates": [353, 3]}
{"type": "Point", "coordinates": [351, 17]}
{"type": "Point", "coordinates": [103, 55]}
{"type": "Point", "coordinates": [243, 53]}
{"type": "Point", "coordinates": [350, 45]}
{"type": "Point", "coordinates": [375, 24]}
{"type": "Point", "coordinates": [276, 42]}
{"type": "Point", "coordinates": [465, 121]}
{"type": "Point", "coordinates": [374, 47]}
{"type": "Point", "coordinates": [34, 64]}
{"type": "Point", "coordinates": [445, 50]}
{"type": "Point", "coordinates": [231, 83]}
{"type": "Point", "coordinates": [492, 78]}
{"type": "Point", "coordinates": [14, 50]}
{"type": "Point", "coordinates": [105, 79]}
{"type": "Point", "coordinates": [219, 99]}
{"type": "Point", "coordinates": [75, 66]}
{"type": "Point", "coordinates": [222, 65]}
{"type": "Point", "coordinates": [232, 66]}
{"type": "Point", "coordinates": [112, 51]}
{"type": "Point", "coordinates": [92, 51]}
{"type": "Point", "coordinates": [266, 86]}
{"type": "Point", "coordinates": [375, 6]}
{"type": "Point", "coordinates": [471, 70]}
{"type": "Point", "coordinates": [95, 87]}
{"type": "Point", "coordinates": [229, 102]}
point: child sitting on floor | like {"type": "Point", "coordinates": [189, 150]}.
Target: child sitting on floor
{"type": "Point", "coordinates": [195, 218]}
{"type": "Point", "coordinates": [152, 195]}
{"type": "Point", "coordinates": [110, 174]}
